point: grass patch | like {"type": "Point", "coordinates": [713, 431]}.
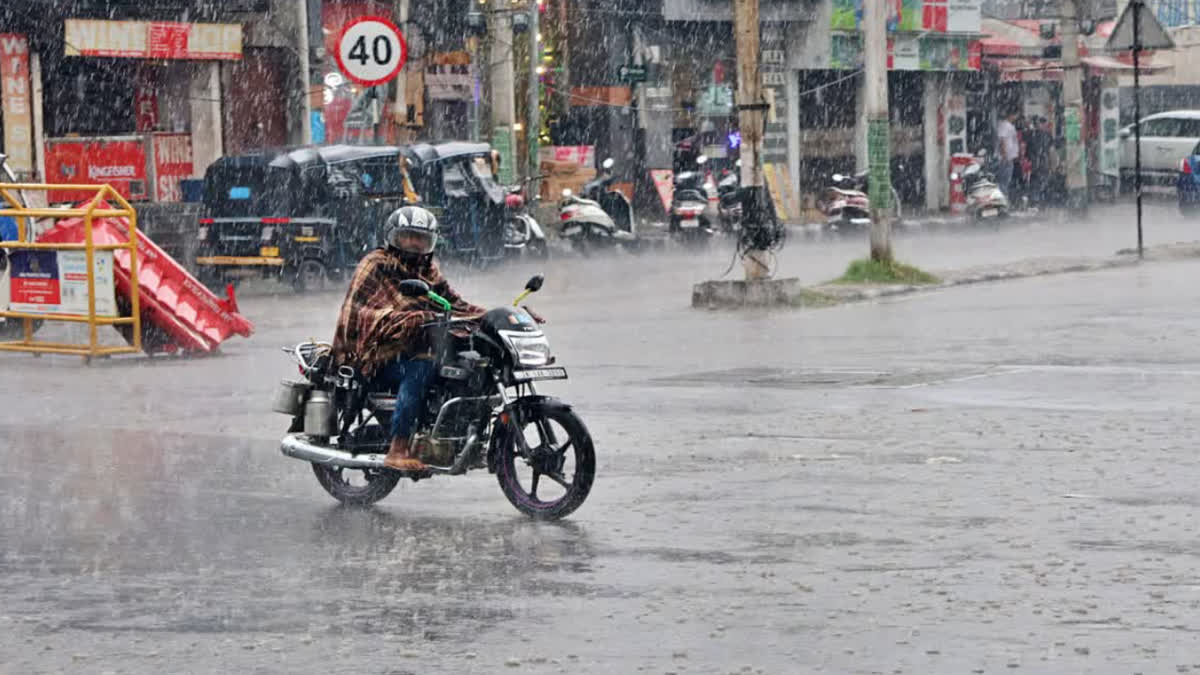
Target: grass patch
{"type": "Point", "coordinates": [811, 298]}
{"type": "Point", "coordinates": [872, 272]}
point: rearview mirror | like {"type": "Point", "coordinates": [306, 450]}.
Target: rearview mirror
{"type": "Point", "coordinates": [535, 283]}
{"type": "Point", "coordinates": [414, 288]}
{"type": "Point", "coordinates": [608, 163]}
{"type": "Point", "coordinates": [701, 160]}
{"type": "Point", "coordinates": [566, 193]}
{"type": "Point", "coordinates": [837, 177]}
{"type": "Point", "coordinates": [1126, 132]}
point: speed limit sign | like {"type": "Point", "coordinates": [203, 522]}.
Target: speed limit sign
{"type": "Point", "coordinates": [371, 50]}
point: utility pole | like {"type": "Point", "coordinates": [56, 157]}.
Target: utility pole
{"type": "Point", "coordinates": [534, 123]}
{"type": "Point", "coordinates": [504, 103]}
{"type": "Point", "coordinates": [875, 91]}
{"type": "Point", "coordinates": [302, 50]}
{"type": "Point", "coordinates": [400, 107]}
{"type": "Point", "coordinates": [1073, 107]}
{"type": "Point", "coordinates": [751, 109]}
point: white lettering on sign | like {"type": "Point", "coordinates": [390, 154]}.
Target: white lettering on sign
{"type": "Point", "coordinates": [159, 39]}
{"type": "Point", "coordinates": [773, 56]}
{"type": "Point", "coordinates": [126, 171]}
{"type": "Point", "coordinates": [106, 38]}
{"type": "Point", "coordinates": [774, 79]}
{"type": "Point", "coordinates": [173, 150]}
{"type": "Point", "coordinates": [222, 40]}
{"type": "Point", "coordinates": [169, 189]}
{"type": "Point", "coordinates": [14, 102]}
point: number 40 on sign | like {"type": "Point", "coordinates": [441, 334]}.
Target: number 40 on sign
{"type": "Point", "coordinates": [371, 50]}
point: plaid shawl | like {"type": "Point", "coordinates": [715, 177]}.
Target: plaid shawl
{"type": "Point", "coordinates": [377, 324]}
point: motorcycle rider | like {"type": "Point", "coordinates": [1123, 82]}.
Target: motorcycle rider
{"type": "Point", "coordinates": [379, 331]}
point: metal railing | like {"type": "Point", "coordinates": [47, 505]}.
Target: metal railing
{"type": "Point", "coordinates": [25, 216]}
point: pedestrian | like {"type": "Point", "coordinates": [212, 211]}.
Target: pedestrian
{"type": "Point", "coordinates": [380, 331]}
{"type": "Point", "coordinates": [1008, 149]}
{"type": "Point", "coordinates": [1038, 148]}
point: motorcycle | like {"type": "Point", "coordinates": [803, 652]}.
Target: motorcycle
{"type": "Point", "coordinates": [482, 411]}
{"type": "Point", "coordinates": [846, 203]}
{"type": "Point", "coordinates": [729, 199]}
{"type": "Point", "coordinates": [599, 218]}
{"type": "Point", "coordinates": [985, 199]}
{"type": "Point", "coordinates": [690, 220]}
{"type": "Point", "coordinates": [522, 233]}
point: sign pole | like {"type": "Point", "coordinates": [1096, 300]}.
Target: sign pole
{"type": "Point", "coordinates": [1137, 121]}
{"type": "Point", "coordinates": [1128, 35]}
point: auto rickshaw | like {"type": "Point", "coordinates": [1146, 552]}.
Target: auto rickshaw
{"type": "Point", "coordinates": [303, 215]}
{"type": "Point", "coordinates": [457, 182]}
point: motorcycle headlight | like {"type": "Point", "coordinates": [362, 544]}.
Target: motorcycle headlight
{"type": "Point", "coordinates": [531, 351]}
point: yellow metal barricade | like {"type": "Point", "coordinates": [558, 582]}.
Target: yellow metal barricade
{"type": "Point", "coordinates": [24, 216]}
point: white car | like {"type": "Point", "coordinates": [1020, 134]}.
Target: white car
{"type": "Point", "coordinates": [1167, 138]}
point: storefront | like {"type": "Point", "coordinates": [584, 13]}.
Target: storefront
{"type": "Point", "coordinates": [1025, 72]}
{"type": "Point", "coordinates": [934, 54]}
{"type": "Point", "coordinates": [138, 104]}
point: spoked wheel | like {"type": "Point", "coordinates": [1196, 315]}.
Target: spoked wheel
{"type": "Point", "coordinates": [356, 487]}
{"type": "Point", "coordinates": [359, 487]}
{"type": "Point", "coordinates": [547, 470]}
{"type": "Point", "coordinates": [310, 276]}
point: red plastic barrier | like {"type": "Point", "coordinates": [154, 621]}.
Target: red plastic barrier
{"type": "Point", "coordinates": [193, 318]}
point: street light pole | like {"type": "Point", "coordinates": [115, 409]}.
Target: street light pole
{"type": "Point", "coordinates": [875, 91]}
{"type": "Point", "coordinates": [535, 86]}
{"type": "Point", "coordinates": [504, 112]}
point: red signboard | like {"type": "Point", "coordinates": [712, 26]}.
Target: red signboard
{"type": "Point", "coordinates": [172, 162]}
{"type": "Point", "coordinates": [145, 105]}
{"type": "Point", "coordinates": [119, 161]}
{"type": "Point", "coordinates": [168, 40]}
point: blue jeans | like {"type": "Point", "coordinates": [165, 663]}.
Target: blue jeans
{"type": "Point", "coordinates": [410, 377]}
{"type": "Point", "coordinates": [1004, 174]}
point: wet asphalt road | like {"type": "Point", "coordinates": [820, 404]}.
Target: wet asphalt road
{"type": "Point", "coordinates": [989, 479]}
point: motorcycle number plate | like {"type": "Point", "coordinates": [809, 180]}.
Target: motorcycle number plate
{"type": "Point", "coordinates": [572, 231]}
{"type": "Point", "coordinates": [540, 374]}
{"type": "Point", "coordinates": [689, 222]}
{"type": "Point", "coordinates": [988, 213]}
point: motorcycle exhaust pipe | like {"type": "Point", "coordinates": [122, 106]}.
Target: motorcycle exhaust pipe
{"type": "Point", "coordinates": [302, 448]}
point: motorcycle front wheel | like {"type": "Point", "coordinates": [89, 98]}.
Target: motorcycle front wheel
{"type": "Point", "coordinates": [550, 473]}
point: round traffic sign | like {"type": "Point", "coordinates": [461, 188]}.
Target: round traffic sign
{"type": "Point", "coordinates": [371, 50]}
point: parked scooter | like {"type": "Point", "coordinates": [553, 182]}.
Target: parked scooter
{"type": "Point", "coordinates": [600, 218]}
{"type": "Point", "coordinates": [846, 203]}
{"type": "Point", "coordinates": [614, 202]}
{"type": "Point", "coordinates": [985, 199]}
{"type": "Point", "coordinates": [522, 233]}
{"type": "Point", "coordinates": [690, 219]}
{"type": "Point", "coordinates": [729, 199]}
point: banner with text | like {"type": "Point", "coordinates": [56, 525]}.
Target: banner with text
{"type": "Point", "coordinates": [15, 102]}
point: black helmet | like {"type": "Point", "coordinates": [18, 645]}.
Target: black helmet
{"type": "Point", "coordinates": [411, 229]}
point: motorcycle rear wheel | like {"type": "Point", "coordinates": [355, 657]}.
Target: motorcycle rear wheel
{"type": "Point", "coordinates": [337, 482]}
{"type": "Point", "coordinates": [549, 456]}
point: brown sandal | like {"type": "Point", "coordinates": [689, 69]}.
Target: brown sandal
{"type": "Point", "coordinates": [405, 464]}
{"type": "Point", "coordinates": [400, 457]}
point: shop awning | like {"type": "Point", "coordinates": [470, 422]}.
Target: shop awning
{"type": "Point", "coordinates": [1010, 38]}
{"type": "Point", "coordinates": [1022, 37]}
{"type": "Point", "coordinates": [1050, 70]}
